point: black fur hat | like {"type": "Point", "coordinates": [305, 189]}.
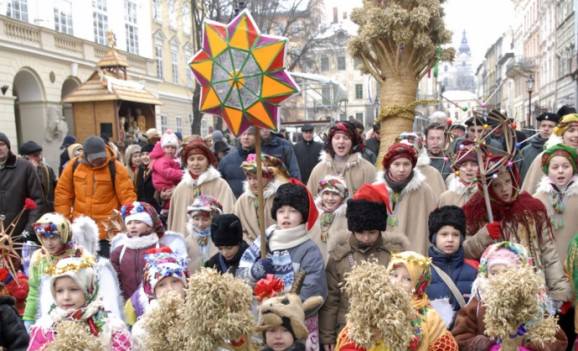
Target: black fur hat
{"type": "Point", "coordinates": [293, 195]}
{"type": "Point", "coordinates": [365, 215]}
{"type": "Point", "coordinates": [226, 230]}
{"type": "Point", "coordinates": [447, 215]}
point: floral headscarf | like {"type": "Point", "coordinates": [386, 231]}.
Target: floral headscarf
{"type": "Point", "coordinates": [418, 267]}
{"type": "Point", "coordinates": [51, 225]}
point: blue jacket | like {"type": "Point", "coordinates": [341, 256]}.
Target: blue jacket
{"type": "Point", "coordinates": [231, 171]}
{"type": "Point", "coordinates": [283, 150]}
{"type": "Point", "coordinates": [462, 273]}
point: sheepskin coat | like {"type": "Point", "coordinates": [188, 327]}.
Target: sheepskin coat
{"type": "Point", "coordinates": [246, 209]}
{"type": "Point", "coordinates": [329, 235]}
{"type": "Point", "coordinates": [208, 183]}
{"type": "Point", "coordinates": [457, 194]}
{"type": "Point", "coordinates": [564, 224]}
{"type": "Point", "coordinates": [357, 172]}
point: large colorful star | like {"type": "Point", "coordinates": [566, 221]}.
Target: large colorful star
{"type": "Point", "coordinates": [242, 73]}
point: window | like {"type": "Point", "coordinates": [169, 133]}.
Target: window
{"type": "Point", "coordinates": [324, 63]}
{"type": "Point", "coordinates": [341, 63]}
{"type": "Point", "coordinates": [164, 123]}
{"type": "Point", "coordinates": [335, 15]}
{"type": "Point", "coordinates": [188, 56]}
{"type": "Point", "coordinates": [18, 9]}
{"type": "Point", "coordinates": [326, 95]}
{"type": "Point", "coordinates": [342, 116]}
{"type": "Point", "coordinates": [100, 21]}
{"type": "Point", "coordinates": [159, 59]}
{"type": "Point", "coordinates": [172, 14]}
{"type": "Point", "coordinates": [130, 17]}
{"type": "Point", "coordinates": [157, 10]}
{"type": "Point", "coordinates": [179, 125]}
{"type": "Point", "coordinates": [63, 18]}
{"type": "Point", "coordinates": [359, 91]}
{"type": "Point", "coordinates": [175, 61]}
{"type": "Point", "coordinates": [187, 20]}
{"type": "Point", "coordinates": [359, 116]}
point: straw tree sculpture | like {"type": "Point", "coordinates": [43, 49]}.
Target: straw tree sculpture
{"type": "Point", "coordinates": [399, 42]}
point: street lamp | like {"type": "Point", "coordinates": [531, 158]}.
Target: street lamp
{"type": "Point", "coordinates": [530, 86]}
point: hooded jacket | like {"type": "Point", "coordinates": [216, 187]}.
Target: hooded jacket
{"type": "Point", "coordinates": [90, 192]}
{"type": "Point", "coordinates": [231, 171]}
{"type": "Point", "coordinates": [167, 172]}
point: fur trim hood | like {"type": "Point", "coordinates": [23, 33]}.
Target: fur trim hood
{"type": "Point", "coordinates": [414, 184]}
{"type": "Point", "coordinates": [456, 186]}
{"type": "Point", "coordinates": [545, 186]}
{"type": "Point", "coordinates": [85, 234]}
{"type": "Point", "coordinates": [209, 175]}
{"type": "Point", "coordinates": [268, 191]}
{"type": "Point", "coordinates": [423, 159]}
{"type": "Point", "coordinates": [352, 160]}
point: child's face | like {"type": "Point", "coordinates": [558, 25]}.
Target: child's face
{"type": "Point", "coordinates": [137, 228]}
{"type": "Point", "coordinates": [331, 200]}
{"type": "Point", "coordinates": [288, 217]}
{"type": "Point", "coordinates": [560, 171]}
{"type": "Point", "coordinates": [145, 158]}
{"type": "Point", "coordinates": [279, 338]}
{"type": "Point", "coordinates": [201, 220]}
{"type": "Point", "coordinates": [229, 252]}
{"type": "Point", "coordinates": [68, 295]}
{"type": "Point", "coordinates": [52, 245]}
{"type": "Point", "coordinates": [254, 184]}
{"type": "Point", "coordinates": [170, 150]}
{"type": "Point", "coordinates": [367, 237]}
{"type": "Point", "coordinates": [503, 187]}
{"type": "Point", "coordinates": [400, 169]}
{"type": "Point", "coordinates": [468, 171]}
{"type": "Point", "coordinates": [169, 284]}
{"type": "Point", "coordinates": [570, 137]}
{"type": "Point", "coordinates": [400, 277]}
{"type": "Point", "coordinates": [497, 269]}
{"type": "Point", "coordinates": [448, 239]}
{"type": "Point", "coordinates": [197, 164]}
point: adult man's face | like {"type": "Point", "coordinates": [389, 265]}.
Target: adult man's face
{"type": "Point", "coordinates": [35, 159]}
{"type": "Point", "coordinates": [265, 133]}
{"type": "Point", "coordinates": [435, 140]}
{"type": "Point", "coordinates": [308, 135]}
{"type": "Point", "coordinates": [4, 151]}
{"type": "Point", "coordinates": [97, 162]}
{"type": "Point", "coordinates": [546, 128]}
{"type": "Point", "coordinates": [247, 140]}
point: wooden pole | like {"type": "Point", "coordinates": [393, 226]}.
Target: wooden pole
{"type": "Point", "coordinates": [485, 185]}
{"type": "Point", "coordinates": [260, 199]}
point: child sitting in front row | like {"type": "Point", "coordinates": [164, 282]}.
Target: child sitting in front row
{"type": "Point", "coordinates": [227, 236]}
{"type": "Point", "coordinates": [74, 287]}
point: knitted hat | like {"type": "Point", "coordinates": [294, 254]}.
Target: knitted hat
{"type": "Point", "coordinates": [397, 151]}
{"type": "Point", "coordinates": [94, 148]}
{"type": "Point", "coordinates": [368, 208]}
{"type": "Point", "coordinates": [81, 271]}
{"type": "Point", "coordinates": [333, 184]}
{"type": "Point", "coordinates": [205, 203]}
{"type": "Point", "coordinates": [52, 224]}
{"type": "Point", "coordinates": [296, 195]}
{"type": "Point", "coordinates": [169, 139]}
{"type": "Point", "coordinates": [136, 212]}
{"type": "Point", "coordinates": [4, 139]}
{"type": "Point", "coordinates": [346, 128]}
{"type": "Point", "coordinates": [565, 123]}
{"type": "Point", "coordinates": [559, 150]}
{"type": "Point", "coordinates": [29, 148]}
{"type": "Point", "coordinates": [226, 230]}
{"type": "Point", "coordinates": [446, 215]}
{"type": "Point", "coordinates": [161, 263]}
{"type": "Point", "coordinates": [548, 116]}
{"type": "Point", "coordinates": [68, 140]}
{"type": "Point", "coordinates": [505, 252]}
{"type": "Point", "coordinates": [418, 267]}
{"type": "Point", "coordinates": [198, 147]}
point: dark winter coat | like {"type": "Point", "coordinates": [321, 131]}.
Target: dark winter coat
{"type": "Point", "coordinates": [48, 183]}
{"type": "Point", "coordinates": [442, 164]}
{"type": "Point", "coordinates": [369, 155]}
{"type": "Point", "coordinates": [218, 262]}
{"type": "Point", "coordinates": [231, 171]}
{"type": "Point", "coordinates": [283, 150]}
{"type": "Point", "coordinates": [18, 181]}
{"type": "Point", "coordinates": [462, 273]}
{"type": "Point", "coordinates": [13, 335]}
{"type": "Point", "coordinates": [529, 152]}
{"type": "Point", "coordinates": [145, 191]}
{"type": "Point", "coordinates": [373, 145]}
{"type": "Point", "coordinates": [64, 157]}
{"type": "Point", "coordinates": [307, 153]}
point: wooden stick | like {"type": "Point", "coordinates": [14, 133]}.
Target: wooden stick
{"type": "Point", "coordinates": [485, 185]}
{"type": "Point", "coordinates": [260, 199]}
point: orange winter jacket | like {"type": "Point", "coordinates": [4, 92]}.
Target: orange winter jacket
{"type": "Point", "coordinates": [89, 191]}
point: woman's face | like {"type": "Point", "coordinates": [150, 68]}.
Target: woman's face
{"type": "Point", "coordinates": [145, 159]}
{"type": "Point", "coordinates": [560, 171]}
{"type": "Point", "coordinates": [400, 169]}
{"type": "Point", "coordinates": [135, 159]}
{"type": "Point", "coordinates": [503, 186]}
{"type": "Point", "coordinates": [341, 144]}
{"type": "Point", "coordinates": [468, 172]}
{"type": "Point", "coordinates": [400, 276]}
{"type": "Point", "coordinates": [570, 137]}
{"type": "Point", "coordinates": [197, 164]}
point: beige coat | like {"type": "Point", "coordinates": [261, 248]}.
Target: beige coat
{"type": "Point", "coordinates": [341, 259]}
{"type": "Point", "coordinates": [457, 194]}
{"type": "Point", "coordinates": [534, 175]}
{"type": "Point", "coordinates": [410, 215]}
{"type": "Point", "coordinates": [329, 236]}
{"type": "Point", "coordinates": [208, 183]}
{"type": "Point", "coordinates": [433, 177]}
{"type": "Point", "coordinates": [246, 210]}
{"type": "Point", "coordinates": [357, 172]}
{"type": "Point", "coordinates": [565, 225]}
{"type": "Point", "coordinates": [196, 259]}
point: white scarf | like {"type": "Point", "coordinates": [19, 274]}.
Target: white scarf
{"type": "Point", "coordinates": [284, 239]}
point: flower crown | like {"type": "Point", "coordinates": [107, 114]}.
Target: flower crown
{"type": "Point", "coordinates": [85, 262]}
{"type": "Point", "coordinates": [47, 230]}
{"type": "Point", "coordinates": [129, 209]}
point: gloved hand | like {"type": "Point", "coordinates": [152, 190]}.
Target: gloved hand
{"type": "Point", "coordinates": [261, 268]}
{"type": "Point", "coordinates": [495, 230]}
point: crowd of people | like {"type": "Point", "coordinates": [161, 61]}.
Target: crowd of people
{"type": "Point", "coordinates": [117, 231]}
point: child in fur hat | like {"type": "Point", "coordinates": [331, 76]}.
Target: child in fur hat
{"type": "Point", "coordinates": [164, 272]}
{"type": "Point", "coordinates": [274, 174]}
{"type": "Point", "coordinates": [143, 231]}
{"type": "Point", "coordinates": [74, 287]}
{"type": "Point", "coordinates": [54, 234]}
{"type": "Point", "coordinates": [227, 236]}
{"type": "Point", "coordinates": [366, 220]}
{"type": "Point", "coordinates": [447, 230]}
{"type": "Point", "coordinates": [199, 243]}
{"type": "Point", "coordinates": [290, 246]}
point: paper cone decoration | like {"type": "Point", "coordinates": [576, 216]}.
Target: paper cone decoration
{"type": "Point", "coordinates": [242, 73]}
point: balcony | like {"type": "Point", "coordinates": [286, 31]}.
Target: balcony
{"type": "Point", "coordinates": [521, 66]}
